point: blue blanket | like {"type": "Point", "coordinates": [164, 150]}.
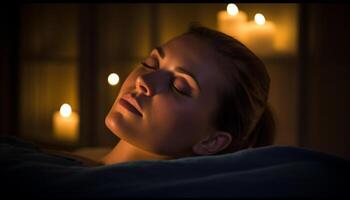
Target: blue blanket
{"type": "Point", "coordinates": [274, 171]}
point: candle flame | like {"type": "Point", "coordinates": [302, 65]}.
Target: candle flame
{"type": "Point", "coordinates": [259, 19]}
{"type": "Point", "coordinates": [65, 110]}
{"type": "Point", "coordinates": [113, 79]}
{"type": "Point", "coordinates": [232, 9]}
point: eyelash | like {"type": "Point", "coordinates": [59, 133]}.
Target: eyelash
{"type": "Point", "coordinates": [172, 83]}
{"type": "Point", "coordinates": [147, 66]}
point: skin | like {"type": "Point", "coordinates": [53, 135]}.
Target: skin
{"type": "Point", "coordinates": [177, 109]}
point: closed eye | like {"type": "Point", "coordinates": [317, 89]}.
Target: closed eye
{"type": "Point", "coordinates": [148, 66]}
{"type": "Point", "coordinates": [177, 85]}
{"type": "Point", "coordinates": [179, 91]}
{"type": "Point", "coordinates": [181, 87]}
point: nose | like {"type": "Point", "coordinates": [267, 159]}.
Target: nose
{"type": "Point", "coordinates": [149, 84]}
{"type": "Point", "coordinates": [144, 86]}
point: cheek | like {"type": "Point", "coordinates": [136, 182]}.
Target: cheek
{"type": "Point", "coordinates": [168, 112]}
{"type": "Point", "coordinates": [186, 115]}
{"type": "Point", "coordinates": [176, 126]}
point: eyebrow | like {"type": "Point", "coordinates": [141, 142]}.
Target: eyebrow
{"type": "Point", "coordinates": [183, 71]}
{"type": "Point", "coordinates": [179, 69]}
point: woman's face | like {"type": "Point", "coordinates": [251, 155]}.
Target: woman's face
{"type": "Point", "coordinates": [166, 104]}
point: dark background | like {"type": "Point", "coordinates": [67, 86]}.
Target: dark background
{"type": "Point", "coordinates": [51, 53]}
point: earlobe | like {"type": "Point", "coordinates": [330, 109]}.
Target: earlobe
{"type": "Point", "coordinates": [213, 144]}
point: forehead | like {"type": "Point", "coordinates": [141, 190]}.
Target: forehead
{"type": "Point", "coordinates": [197, 57]}
{"type": "Point", "coordinates": [187, 48]}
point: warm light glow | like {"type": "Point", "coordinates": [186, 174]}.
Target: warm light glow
{"type": "Point", "coordinates": [65, 110]}
{"type": "Point", "coordinates": [113, 79]}
{"type": "Point", "coordinates": [232, 9]}
{"type": "Point", "coordinates": [259, 19]}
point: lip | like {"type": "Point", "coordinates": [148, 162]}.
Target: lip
{"type": "Point", "coordinates": [131, 104]}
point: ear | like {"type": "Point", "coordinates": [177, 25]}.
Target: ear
{"type": "Point", "coordinates": [212, 144]}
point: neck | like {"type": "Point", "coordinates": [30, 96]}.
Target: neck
{"type": "Point", "coordinates": [125, 152]}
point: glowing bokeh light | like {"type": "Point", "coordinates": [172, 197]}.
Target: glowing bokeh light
{"type": "Point", "coordinates": [113, 79]}
{"type": "Point", "coordinates": [259, 19]}
{"type": "Point", "coordinates": [65, 110]}
{"type": "Point", "coordinates": [232, 9]}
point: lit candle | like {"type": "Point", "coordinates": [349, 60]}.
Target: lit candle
{"type": "Point", "coordinates": [66, 124]}
{"type": "Point", "coordinates": [259, 35]}
{"type": "Point", "coordinates": [231, 20]}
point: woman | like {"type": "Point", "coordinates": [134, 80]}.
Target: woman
{"type": "Point", "coordinates": [201, 93]}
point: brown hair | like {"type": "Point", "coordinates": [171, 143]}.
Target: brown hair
{"type": "Point", "coordinates": [243, 109]}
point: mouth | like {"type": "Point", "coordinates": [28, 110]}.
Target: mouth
{"type": "Point", "coordinates": [131, 105]}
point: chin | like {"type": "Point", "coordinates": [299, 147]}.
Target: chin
{"type": "Point", "coordinates": [111, 122]}
{"type": "Point", "coordinates": [116, 123]}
